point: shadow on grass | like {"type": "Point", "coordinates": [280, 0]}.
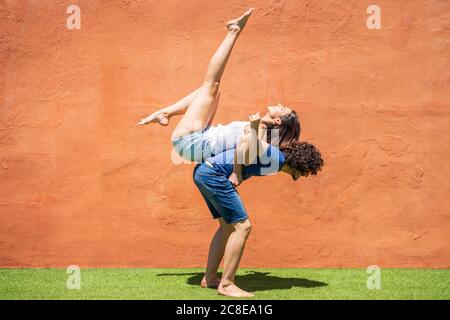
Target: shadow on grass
{"type": "Point", "coordinates": [256, 281]}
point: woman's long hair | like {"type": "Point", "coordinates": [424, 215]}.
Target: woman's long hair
{"type": "Point", "coordinates": [286, 132]}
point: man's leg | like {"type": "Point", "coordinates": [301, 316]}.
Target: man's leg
{"type": "Point", "coordinates": [233, 253]}
{"type": "Point", "coordinates": [215, 254]}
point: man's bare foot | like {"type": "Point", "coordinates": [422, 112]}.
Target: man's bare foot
{"type": "Point", "coordinates": [232, 290]}
{"type": "Point", "coordinates": [213, 283]}
{"type": "Point", "coordinates": [160, 117]}
{"type": "Point", "coordinates": [239, 23]}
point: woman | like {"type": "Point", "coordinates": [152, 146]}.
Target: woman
{"type": "Point", "coordinates": [194, 138]}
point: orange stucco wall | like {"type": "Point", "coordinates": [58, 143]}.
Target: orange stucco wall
{"type": "Point", "coordinates": [81, 184]}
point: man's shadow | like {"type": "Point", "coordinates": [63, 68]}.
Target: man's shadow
{"type": "Point", "coordinates": [257, 281]}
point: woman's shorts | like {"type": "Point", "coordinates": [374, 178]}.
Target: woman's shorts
{"type": "Point", "coordinates": [221, 197]}
{"type": "Point", "coordinates": [194, 146]}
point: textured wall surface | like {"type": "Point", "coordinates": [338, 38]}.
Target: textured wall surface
{"type": "Point", "coordinates": [81, 184]}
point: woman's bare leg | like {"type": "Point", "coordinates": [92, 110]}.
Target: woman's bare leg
{"type": "Point", "coordinates": [162, 116]}
{"type": "Point", "coordinates": [215, 254]}
{"type": "Point", "coordinates": [233, 254]}
{"type": "Point", "coordinates": [199, 112]}
{"type": "Point", "coordinates": [214, 109]}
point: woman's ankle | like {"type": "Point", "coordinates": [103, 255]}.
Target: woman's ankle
{"type": "Point", "coordinates": [164, 112]}
{"type": "Point", "coordinates": [234, 31]}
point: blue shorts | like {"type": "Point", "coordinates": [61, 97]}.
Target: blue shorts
{"type": "Point", "coordinates": [194, 146]}
{"type": "Point", "coordinates": [221, 197]}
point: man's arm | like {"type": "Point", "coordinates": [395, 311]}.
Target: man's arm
{"type": "Point", "coordinates": [236, 175]}
{"type": "Point", "coordinates": [243, 151]}
{"type": "Point", "coordinates": [247, 150]}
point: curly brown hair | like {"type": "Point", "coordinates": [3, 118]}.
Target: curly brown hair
{"type": "Point", "coordinates": [303, 157]}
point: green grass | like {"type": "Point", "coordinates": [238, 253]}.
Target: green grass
{"type": "Point", "coordinates": [298, 284]}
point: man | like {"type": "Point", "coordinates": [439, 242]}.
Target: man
{"type": "Point", "coordinates": [213, 180]}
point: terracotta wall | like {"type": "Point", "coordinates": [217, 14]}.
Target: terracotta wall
{"type": "Point", "coordinates": [81, 184]}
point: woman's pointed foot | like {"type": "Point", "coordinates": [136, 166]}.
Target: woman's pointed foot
{"type": "Point", "coordinates": [157, 117]}
{"type": "Point", "coordinates": [239, 23]}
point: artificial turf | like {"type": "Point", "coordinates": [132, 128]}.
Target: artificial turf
{"type": "Point", "coordinates": [298, 284]}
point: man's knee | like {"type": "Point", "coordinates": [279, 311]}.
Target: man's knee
{"type": "Point", "coordinates": [244, 227]}
{"type": "Point", "coordinates": [227, 229]}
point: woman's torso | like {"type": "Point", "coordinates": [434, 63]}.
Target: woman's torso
{"type": "Point", "coordinates": [225, 137]}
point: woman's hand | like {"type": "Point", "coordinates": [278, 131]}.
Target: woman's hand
{"type": "Point", "coordinates": [255, 120]}
{"type": "Point", "coordinates": [235, 179]}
